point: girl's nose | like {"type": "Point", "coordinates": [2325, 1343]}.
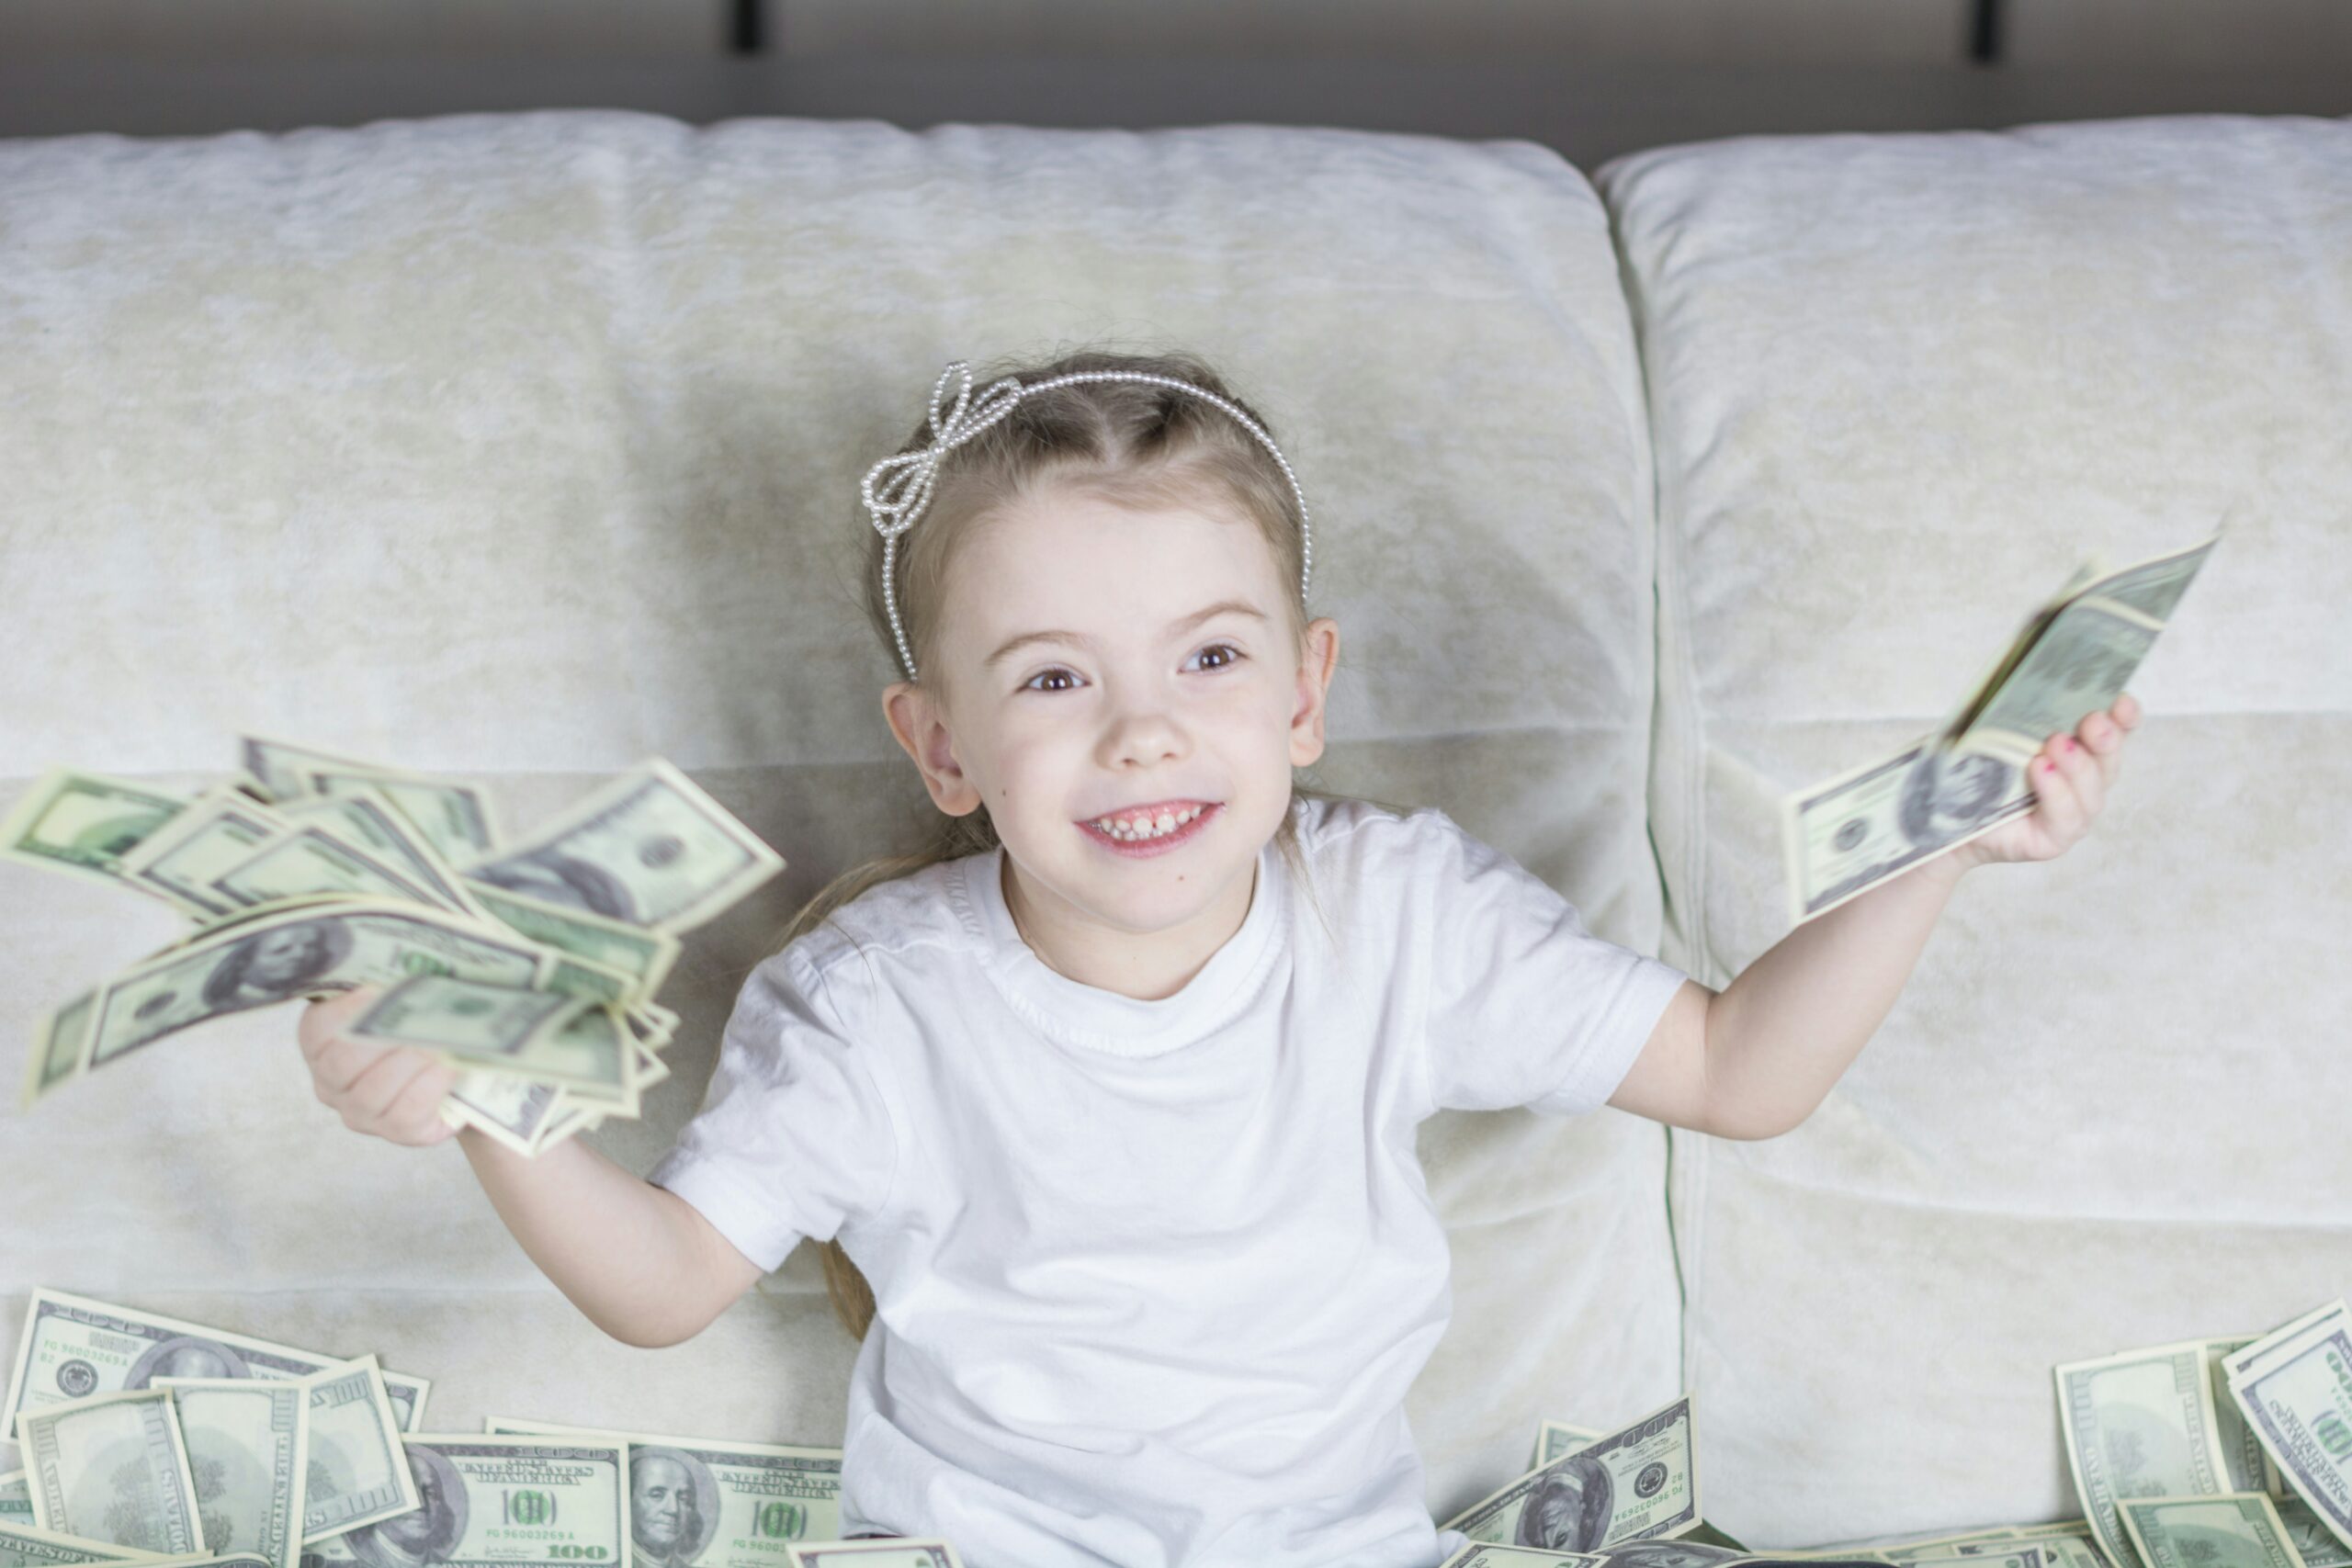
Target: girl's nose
{"type": "Point", "coordinates": [1145, 733]}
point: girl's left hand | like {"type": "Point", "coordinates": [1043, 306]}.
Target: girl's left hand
{"type": "Point", "coordinates": [2071, 779]}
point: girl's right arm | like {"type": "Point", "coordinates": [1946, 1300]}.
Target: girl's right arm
{"type": "Point", "coordinates": [640, 1262]}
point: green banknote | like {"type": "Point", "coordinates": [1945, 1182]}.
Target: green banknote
{"type": "Point", "coordinates": [500, 1502]}
{"type": "Point", "coordinates": [1640, 1483]}
{"type": "Point", "coordinates": [27, 1546]}
{"type": "Point", "coordinates": [452, 815]}
{"type": "Point", "coordinates": [1486, 1554]}
{"type": "Point", "coordinates": [71, 1346]}
{"type": "Point", "coordinates": [84, 824]}
{"type": "Point", "coordinates": [1849, 832]}
{"type": "Point", "coordinates": [1557, 1439]}
{"type": "Point", "coordinates": [2138, 1425]}
{"type": "Point", "coordinates": [2236, 1529]}
{"type": "Point", "coordinates": [355, 1473]}
{"type": "Point", "coordinates": [897, 1552]}
{"type": "Point", "coordinates": [649, 849]}
{"type": "Point", "coordinates": [540, 1036]}
{"type": "Point", "coordinates": [248, 1444]}
{"type": "Point", "coordinates": [2294, 1388]}
{"type": "Point", "coordinates": [113, 1468]}
{"type": "Point", "coordinates": [714, 1503]}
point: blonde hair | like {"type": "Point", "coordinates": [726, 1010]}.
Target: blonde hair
{"type": "Point", "coordinates": [1129, 442]}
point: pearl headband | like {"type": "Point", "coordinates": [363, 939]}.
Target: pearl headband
{"type": "Point", "coordinates": [905, 480]}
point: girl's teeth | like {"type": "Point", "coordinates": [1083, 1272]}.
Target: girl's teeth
{"type": "Point", "coordinates": [1145, 826]}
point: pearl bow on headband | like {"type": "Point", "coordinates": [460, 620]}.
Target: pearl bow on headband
{"type": "Point", "coordinates": [904, 483]}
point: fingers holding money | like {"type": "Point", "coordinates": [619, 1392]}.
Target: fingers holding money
{"type": "Point", "coordinates": [2103, 735]}
{"type": "Point", "coordinates": [2067, 790]}
{"type": "Point", "coordinates": [392, 1092]}
{"type": "Point", "coordinates": [2070, 777]}
{"type": "Point", "coordinates": [397, 1095]}
{"type": "Point", "coordinates": [322, 1021]}
{"type": "Point", "coordinates": [2071, 781]}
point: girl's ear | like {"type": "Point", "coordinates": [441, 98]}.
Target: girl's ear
{"type": "Point", "coordinates": [1319, 659]}
{"type": "Point", "coordinates": [919, 722]}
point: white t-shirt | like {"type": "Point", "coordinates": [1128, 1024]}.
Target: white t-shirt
{"type": "Point", "coordinates": [1152, 1277]}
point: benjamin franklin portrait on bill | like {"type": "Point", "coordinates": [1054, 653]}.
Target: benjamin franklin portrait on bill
{"type": "Point", "coordinates": [185, 1356]}
{"type": "Point", "coordinates": [427, 1534]}
{"type": "Point", "coordinates": [1948, 794]}
{"type": "Point", "coordinates": [673, 1506]}
{"type": "Point", "coordinates": [275, 965]}
{"type": "Point", "coordinates": [553, 877]}
{"type": "Point", "coordinates": [1570, 1508]}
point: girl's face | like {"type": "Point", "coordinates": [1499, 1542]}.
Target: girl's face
{"type": "Point", "coordinates": [1097, 662]}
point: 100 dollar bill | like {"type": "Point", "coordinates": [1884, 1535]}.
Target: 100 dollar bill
{"type": "Point", "coordinates": [1845, 835]}
{"type": "Point", "coordinates": [72, 1346]}
{"type": "Point", "coordinates": [248, 1448]}
{"type": "Point", "coordinates": [1640, 1483]}
{"type": "Point", "coordinates": [2236, 1529]}
{"type": "Point", "coordinates": [649, 849]}
{"type": "Point", "coordinates": [540, 1036]}
{"type": "Point", "coordinates": [716, 1503]}
{"type": "Point", "coordinates": [113, 1468]}
{"type": "Point", "coordinates": [895, 1552]}
{"type": "Point", "coordinates": [25, 1545]}
{"type": "Point", "coordinates": [494, 1502]}
{"type": "Point", "coordinates": [452, 815]}
{"type": "Point", "coordinates": [1486, 1554]}
{"type": "Point", "coordinates": [2138, 1425]}
{"type": "Point", "coordinates": [84, 824]}
{"type": "Point", "coordinates": [2294, 1387]}
{"type": "Point", "coordinates": [1557, 1439]}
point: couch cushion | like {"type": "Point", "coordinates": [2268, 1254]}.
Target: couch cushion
{"type": "Point", "coordinates": [524, 446]}
{"type": "Point", "coordinates": [1899, 385]}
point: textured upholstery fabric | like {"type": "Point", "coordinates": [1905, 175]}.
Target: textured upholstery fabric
{"type": "Point", "coordinates": [1897, 383]}
{"type": "Point", "coordinates": [524, 446]}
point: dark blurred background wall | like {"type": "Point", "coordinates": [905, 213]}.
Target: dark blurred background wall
{"type": "Point", "coordinates": [1589, 77]}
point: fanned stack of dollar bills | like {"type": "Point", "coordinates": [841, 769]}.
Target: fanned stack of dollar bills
{"type": "Point", "coordinates": [2073, 656]}
{"type": "Point", "coordinates": [147, 1439]}
{"type": "Point", "coordinates": [529, 965]}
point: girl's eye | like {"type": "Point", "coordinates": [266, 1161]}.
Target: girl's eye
{"type": "Point", "coordinates": [1031, 683]}
{"type": "Point", "coordinates": [1235, 652]}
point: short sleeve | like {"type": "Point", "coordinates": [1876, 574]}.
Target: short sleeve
{"type": "Point", "coordinates": [1526, 1007]}
{"type": "Point", "coordinates": [795, 1136]}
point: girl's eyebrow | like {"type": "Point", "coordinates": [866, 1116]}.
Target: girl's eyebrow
{"type": "Point", "coordinates": [1223, 606]}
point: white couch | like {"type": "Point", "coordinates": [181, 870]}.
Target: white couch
{"type": "Point", "coordinates": [527, 446]}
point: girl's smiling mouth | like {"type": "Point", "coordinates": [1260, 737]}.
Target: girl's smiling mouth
{"type": "Point", "coordinates": [1162, 828]}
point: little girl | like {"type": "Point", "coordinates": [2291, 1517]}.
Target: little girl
{"type": "Point", "coordinates": [1103, 1105]}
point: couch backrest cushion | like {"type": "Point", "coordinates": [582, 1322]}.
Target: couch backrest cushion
{"type": "Point", "coordinates": [524, 446]}
{"type": "Point", "coordinates": [1899, 385]}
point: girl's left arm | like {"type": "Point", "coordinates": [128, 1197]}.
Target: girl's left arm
{"type": "Point", "coordinates": [1776, 1039]}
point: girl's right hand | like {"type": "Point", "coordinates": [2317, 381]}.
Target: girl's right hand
{"type": "Point", "coordinates": [392, 1092]}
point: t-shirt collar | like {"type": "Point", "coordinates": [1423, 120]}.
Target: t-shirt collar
{"type": "Point", "coordinates": [1079, 1014]}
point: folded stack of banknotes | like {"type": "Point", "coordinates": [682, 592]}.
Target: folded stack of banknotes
{"type": "Point", "coordinates": [148, 1440]}
{"type": "Point", "coordinates": [529, 965]}
{"type": "Point", "coordinates": [2073, 656]}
